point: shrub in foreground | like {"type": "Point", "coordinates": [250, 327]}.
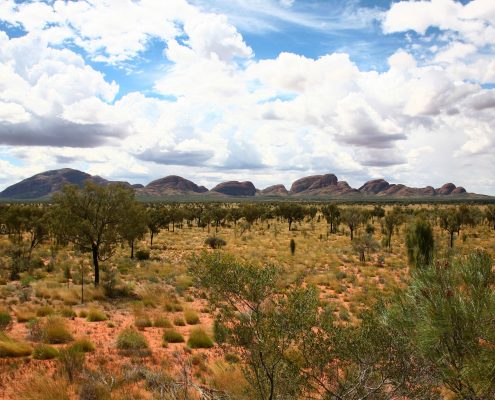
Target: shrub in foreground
{"type": "Point", "coordinates": [171, 336]}
{"type": "Point", "coordinates": [54, 331]}
{"type": "Point", "coordinates": [95, 315]}
{"type": "Point", "coordinates": [12, 348]}
{"type": "Point", "coordinates": [130, 340]}
{"type": "Point", "coordinates": [191, 317]}
{"type": "Point", "coordinates": [44, 352]}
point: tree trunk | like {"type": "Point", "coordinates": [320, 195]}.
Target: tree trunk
{"type": "Point", "coordinates": [96, 264]}
{"type": "Point", "coordinates": [151, 238]}
{"type": "Point", "coordinates": [132, 248]}
{"type": "Point", "coordinates": [290, 223]}
{"type": "Point", "coordinates": [451, 239]}
{"type": "Point", "coordinates": [352, 232]}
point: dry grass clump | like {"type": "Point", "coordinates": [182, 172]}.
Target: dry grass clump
{"type": "Point", "coordinates": [143, 321]}
{"type": "Point", "coordinates": [43, 387]}
{"type": "Point", "coordinates": [191, 317]}
{"type": "Point", "coordinates": [53, 330]}
{"type": "Point", "coordinates": [24, 315]}
{"type": "Point", "coordinates": [95, 315]}
{"type": "Point", "coordinates": [199, 339]}
{"type": "Point", "coordinates": [5, 319]}
{"type": "Point", "coordinates": [179, 321]}
{"type": "Point", "coordinates": [133, 342]}
{"type": "Point", "coordinates": [162, 322]}
{"type": "Point", "coordinates": [13, 348]}
{"type": "Point", "coordinates": [172, 336]}
{"type": "Point", "coordinates": [83, 345]}
{"type": "Point", "coordinates": [44, 352]}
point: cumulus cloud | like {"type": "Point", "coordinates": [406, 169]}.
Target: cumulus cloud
{"type": "Point", "coordinates": [176, 157]}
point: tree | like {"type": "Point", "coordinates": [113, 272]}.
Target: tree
{"type": "Point", "coordinates": [392, 220]}
{"type": "Point", "coordinates": [364, 244]}
{"type": "Point", "coordinates": [134, 227]}
{"type": "Point", "coordinates": [447, 314]}
{"type": "Point", "coordinates": [331, 212]}
{"type": "Point", "coordinates": [154, 221]}
{"type": "Point", "coordinates": [291, 212]}
{"type": "Point", "coordinates": [490, 215]}
{"type": "Point", "coordinates": [450, 220]}
{"type": "Point", "coordinates": [420, 243]}
{"type": "Point", "coordinates": [93, 218]}
{"type": "Point", "coordinates": [352, 217]}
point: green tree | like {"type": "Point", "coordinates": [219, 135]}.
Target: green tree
{"type": "Point", "coordinates": [450, 220]}
{"type": "Point", "coordinates": [447, 313]}
{"type": "Point", "coordinates": [352, 217]}
{"type": "Point", "coordinates": [420, 243]}
{"type": "Point", "coordinates": [93, 218]}
{"type": "Point", "coordinates": [331, 212]}
{"type": "Point", "coordinates": [155, 221]}
{"type": "Point", "coordinates": [490, 215]}
{"type": "Point", "coordinates": [134, 227]}
{"type": "Point", "coordinates": [393, 219]}
{"type": "Point", "coordinates": [291, 212]}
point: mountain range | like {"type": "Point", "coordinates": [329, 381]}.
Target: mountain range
{"type": "Point", "coordinates": [43, 185]}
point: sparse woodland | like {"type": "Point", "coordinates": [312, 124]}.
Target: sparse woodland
{"type": "Point", "coordinates": [104, 297]}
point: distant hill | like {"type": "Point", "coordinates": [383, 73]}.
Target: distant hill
{"type": "Point", "coordinates": [45, 184]}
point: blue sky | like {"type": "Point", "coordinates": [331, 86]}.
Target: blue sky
{"type": "Point", "coordinates": [265, 90]}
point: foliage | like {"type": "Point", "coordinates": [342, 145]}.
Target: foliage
{"type": "Point", "coordinates": [95, 315]}
{"type": "Point", "coordinates": [172, 336]}
{"type": "Point", "coordinates": [44, 352]}
{"type": "Point", "coordinates": [420, 243]}
{"type": "Point", "coordinates": [54, 331]}
{"type": "Point", "coordinates": [130, 339]}
{"type": "Point", "coordinates": [191, 317]}
{"type": "Point", "coordinates": [199, 339]}
{"type": "Point", "coordinates": [12, 348]}
{"type": "Point", "coordinates": [83, 345]}
{"type": "Point", "coordinates": [215, 242]}
{"type": "Point", "coordinates": [71, 362]}
{"type": "Point", "coordinates": [143, 255]}
{"type": "Point", "coordinates": [5, 320]}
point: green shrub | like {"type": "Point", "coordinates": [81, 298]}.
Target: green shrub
{"type": "Point", "coordinates": [143, 321]}
{"type": "Point", "coordinates": [83, 345]}
{"type": "Point", "coordinates": [142, 255]}
{"type": "Point", "coordinates": [215, 242]}
{"type": "Point", "coordinates": [171, 336]}
{"type": "Point", "coordinates": [5, 319]}
{"type": "Point", "coordinates": [44, 352]}
{"type": "Point", "coordinates": [95, 315]}
{"type": "Point", "coordinates": [179, 321]}
{"type": "Point", "coordinates": [12, 348]}
{"type": "Point", "coordinates": [130, 339]}
{"type": "Point", "coordinates": [162, 322]}
{"type": "Point", "coordinates": [199, 339]}
{"type": "Point", "coordinates": [54, 331]}
{"type": "Point", "coordinates": [191, 317]}
{"type": "Point", "coordinates": [83, 314]}
{"type": "Point", "coordinates": [220, 331]}
{"type": "Point", "coordinates": [43, 387]}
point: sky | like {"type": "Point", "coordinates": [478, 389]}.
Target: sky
{"type": "Point", "coordinates": [261, 90]}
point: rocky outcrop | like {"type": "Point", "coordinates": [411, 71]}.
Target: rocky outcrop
{"type": "Point", "coordinates": [275, 190]}
{"type": "Point", "coordinates": [47, 183]}
{"type": "Point", "coordinates": [313, 182]}
{"type": "Point", "coordinates": [171, 185]}
{"type": "Point", "coordinates": [446, 189]}
{"type": "Point", "coordinates": [235, 188]}
{"type": "Point", "coordinates": [375, 186]}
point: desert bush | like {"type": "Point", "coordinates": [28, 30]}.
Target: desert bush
{"type": "Point", "coordinates": [220, 331]}
{"type": "Point", "coordinates": [179, 321]}
{"type": "Point", "coordinates": [143, 321]}
{"type": "Point", "coordinates": [43, 387]}
{"type": "Point", "coordinates": [172, 336]}
{"type": "Point", "coordinates": [71, 362]}
{"type": "Point", "coordinates": [44, 352]}
{"type": "Point", "coordinates": [292, 246]}
{"type": "Point", "coordinates": [142, 254]}
{"type": "Point", "coordinates": [91, 390]}
{"type": "Point", "coordinates": [162, 322]}
{"type": "Point", "coordinates": [191, 317]}
{"type": "Point", "coordinates": [95, 315]}
{"type": "Point", "coordinates": [215, 242]}
{"type": "Point", "coordinates": [54, 331]}
{"type": "Point", "coordinates": [44, 311]}
{"type": "Point", "coordinates": [131, 340]}
{"type": "Point", "coordinates": [83, 313]}
{"type": "Point", "coordinates": [24, 315]}
{"type": "Point", "coordinates": [83, 345]}
{"type": "Point", "coordinates": [12, 348]}
{"type": "Point", "coordinates": [199, 339]}
{"type": "Point", "coordinates": [5, 320]}
{"type": "Point", "coordinates": [67, 312]}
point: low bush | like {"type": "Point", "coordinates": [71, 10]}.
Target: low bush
{"type": "Point", "coordinates": [12, 348]}
{"type": "Point", "coordinates": [171, 336]}
{"type": "Point", "coordinates": [95, 315]}
{"type": "Point", "coordinates": [67, 312]}
{"type": "Point", "coordinates": [130, 339]}
{"type": "Point", "coordinates": [191, 317]}
{"type": "Point", "coordinates": [142, 255]}
{"type": "Point", "coordinates": [162, 322]}
{"type": "Point", "coordinates": [83, 345]}
{"type": "Point", "coordinates": [199, 339]}
{"type": "Point", "coordinates": [215, 242]}
{"type": "Point", "coordinates": [179, 321]}
{"type": "Point", "coordinates": [43, 387]}
{"type": "Point", "coordinates": [71, 362]}
{"type": "Point", "coordinates": [91, 390]}
{"type": "Point", "coordinates": [44, 311]}
{"type": "Point", "coordinates": [44, 352]}
{"type": "Point", "coordinates": [5, 319]}
{"type": "Point", "coordinates": [54, 331]}
{"type": "Point", "coordinates": [143, 321]}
